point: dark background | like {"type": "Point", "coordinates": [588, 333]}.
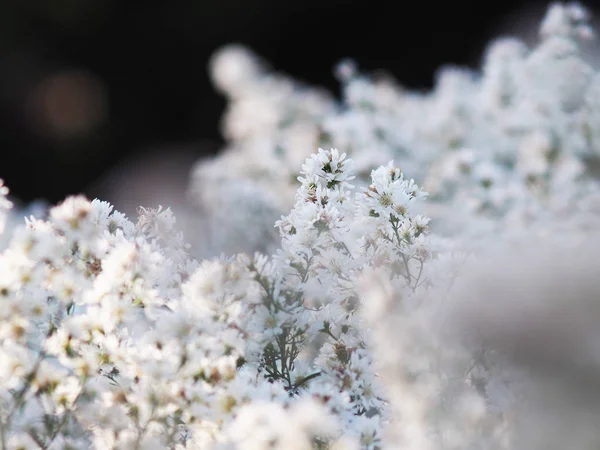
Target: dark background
{"type": "Point", "coordinates": [87, 85]}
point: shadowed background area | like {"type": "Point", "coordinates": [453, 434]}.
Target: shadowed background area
{"type": "Point", "coordinates": [91, 88]}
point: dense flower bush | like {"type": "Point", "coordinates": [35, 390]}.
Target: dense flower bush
{"type": "Point", "coordinates": [506, 147]}
{"type": "Point", "coordinates": [370, 316]}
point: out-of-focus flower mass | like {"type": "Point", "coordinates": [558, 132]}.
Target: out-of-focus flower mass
{"type": "Point", "coordinates": [393, 270]}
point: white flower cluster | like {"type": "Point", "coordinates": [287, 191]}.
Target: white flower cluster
{"type": "Point", "coordinates": [342, 333]}
{"type": "Point", "coordinates": [111, 336]}
{"type": "Point", "coordinates": [512, 145]}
